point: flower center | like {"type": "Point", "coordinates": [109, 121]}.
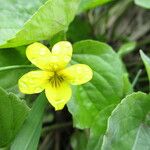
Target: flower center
{"type": "Point", "coordinates": [56, 80]}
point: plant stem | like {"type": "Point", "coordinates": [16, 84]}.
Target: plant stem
{"type": "Point", "coordinates": [5, 148]}
{"type": "Point", "coordinates": [136, 78]}
{"type": "Point", "coordinates": [57, 126]}
{"type": "Point", "coordinates": [16, 67]}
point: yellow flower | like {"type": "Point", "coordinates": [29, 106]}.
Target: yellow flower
{"type": "Point", "coordinates": [53, 76]}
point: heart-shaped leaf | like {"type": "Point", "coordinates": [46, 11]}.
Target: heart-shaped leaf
{"type": "Point", "coordinates": [13, 112]}
{"type": "Point", "coordinates": [129, 124]}
{"type": "Point", "coordinates": [99, 96]}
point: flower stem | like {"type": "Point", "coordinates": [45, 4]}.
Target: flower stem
{"type": "Point", "coordinates": [136, 78]}
{"type": "Point", "coordinates": [16, 67]}
{"type": "Point", "coordinates": [57, 126]}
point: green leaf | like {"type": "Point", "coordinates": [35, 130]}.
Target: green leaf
{"type": "Point", "coordinates": [28, 137]}
{"type": "Point", "coordinates": [17, 60]}
{"type": "Point", "coordinates": [13, 112]}
{"type": "Point", "coordinates": [128, 87]}
{"type": "Point", "coordinates": [143, 3]}
{"type": "Point", "coordinates": [61, 36]}
{"type": "Point", "coordinates": [99, 128]}
{"type": "Point", "coordinates": [106, 87]}
{"type": "Point", "coordinates": [88, 4]}
{"type": "Point", "coordinates": [79, 140]}
{"type": "Point", "coordinates": [129, 124]}
{"type": "Point", "coordinates": [100, 122]}
{"type": "Point", "coordinates": [84, 29]}
{"type": "Point", "coordinates": [126, 48]}
{"type": "Point", "coordinates": [103, 92]}
{"type": "Point", "coordinates": [23, 23]}
{"type": "Point", "coordinates": [146, 61]}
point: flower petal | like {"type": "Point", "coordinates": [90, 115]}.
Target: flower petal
{"type": "Point", "coordinates": [39, 55]}
{"type": "Point", "coordinates": [62, 48]}
{"type": "Point", "coordinates": [58, 62]}
{"type": "Point", "coordinates": [58, 96]}
{"type": "Point", "coordinates": [34, 81]}
{"type": "Point", "coordinates": [77, 74]}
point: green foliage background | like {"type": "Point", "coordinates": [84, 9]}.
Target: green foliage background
{"type": "Point", "coordinates": [111, 112]}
